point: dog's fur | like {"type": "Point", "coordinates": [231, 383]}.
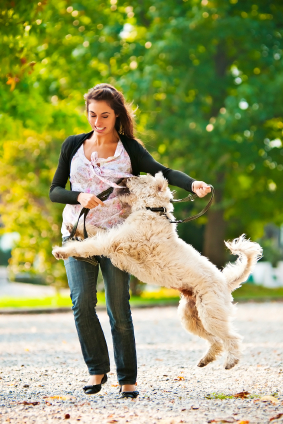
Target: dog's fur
{"type": "Point", "coordinates": [147, 245]}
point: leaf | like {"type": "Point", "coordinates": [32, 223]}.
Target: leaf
{"type": "Point", "coordinates": [179, 378]}
{"type": "Point", "coordinates": [67, 416]}
{"type": "Point", "coordinates": [29, 403]}
{"type": "Point", "coordinates": [269, 399]}
{"type": "Point", "coordinates": [242, 395]}
{"type": "Point", "coordinates": [243, 422]}
{"type": "Point", "coordinates": [12, 82]}
{"type": "Point", "coordinates": [222, 420]}
{"type": "Point", "coordinates": [276, 417]}
{"type": "Point", "coordinates": [50, 398]}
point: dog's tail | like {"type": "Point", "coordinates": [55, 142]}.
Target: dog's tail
{"type": "Point", "coordinates": [249, 253]}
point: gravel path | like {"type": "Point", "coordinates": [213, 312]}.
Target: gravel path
{"type": "Point", "coordinates": [41, 362]}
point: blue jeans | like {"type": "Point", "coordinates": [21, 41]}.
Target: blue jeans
{"type": "Point", "coordinates": [82, 279]}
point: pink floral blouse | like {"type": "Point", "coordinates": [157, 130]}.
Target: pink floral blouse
{"type": "Point", "coordinates": [94, 176]}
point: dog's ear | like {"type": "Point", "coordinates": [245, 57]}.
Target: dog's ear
{"type": "Point", "coordinates": [162, 183]}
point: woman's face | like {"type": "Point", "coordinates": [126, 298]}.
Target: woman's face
{"type": "Point", "coordinates": [101, 117]}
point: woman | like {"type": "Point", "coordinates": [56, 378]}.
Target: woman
{"type": "Point", "coordinates": [93, 162]}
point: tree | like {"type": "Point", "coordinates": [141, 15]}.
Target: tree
{"type": "Point", "coordinates": [211, 81]}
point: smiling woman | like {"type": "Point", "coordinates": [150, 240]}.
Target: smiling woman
{"type": "Point", "coordinates": [93, 162]}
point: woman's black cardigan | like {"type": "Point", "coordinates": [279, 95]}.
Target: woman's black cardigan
{"type": "Point", "coordinates": [141, 161]}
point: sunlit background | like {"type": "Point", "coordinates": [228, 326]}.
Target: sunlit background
{"type": "Point", "coordinates": [205, 79]}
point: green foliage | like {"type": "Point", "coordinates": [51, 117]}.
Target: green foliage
{"type": "Point", "coordinates": [206, 75]}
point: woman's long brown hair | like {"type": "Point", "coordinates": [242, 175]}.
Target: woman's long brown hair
{"type": "Point", "coordinates": [124, 122]}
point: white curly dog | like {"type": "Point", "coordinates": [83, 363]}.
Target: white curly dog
{"type": "Point", "coordinates": [147, 245]}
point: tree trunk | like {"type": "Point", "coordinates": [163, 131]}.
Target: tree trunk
{"type": "Point", "coordinates": [214, 247]}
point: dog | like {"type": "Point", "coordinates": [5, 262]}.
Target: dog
{"type": "Point", "coordinates": [147, 245]}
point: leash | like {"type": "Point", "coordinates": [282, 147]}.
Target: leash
{"type": "Point", "coordinates": [189, 198]}
{"type": "Point", "coordinates": [106, 193]}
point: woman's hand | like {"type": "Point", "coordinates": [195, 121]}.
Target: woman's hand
{"type": "Point", "coordinates": [89, 201]}
{"type": "Point", "coordinates": [201, 188]}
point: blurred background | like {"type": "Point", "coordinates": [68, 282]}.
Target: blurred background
{"type": "Point", "coordinates": [205, 79]}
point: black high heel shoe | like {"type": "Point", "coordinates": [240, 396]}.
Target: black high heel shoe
{"type": "Point", "coordinates": [131, 395]}
{"type": "Point", "coordinates": [91, 390]}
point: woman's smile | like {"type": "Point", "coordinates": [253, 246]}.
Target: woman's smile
{"type": "Point", "coordinates": [99, 129]}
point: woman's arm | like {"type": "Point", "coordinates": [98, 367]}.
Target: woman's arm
{"type": "Point", "coordinates": [57, 192]}
{"type": "Point", "coordinates": [175, 178]}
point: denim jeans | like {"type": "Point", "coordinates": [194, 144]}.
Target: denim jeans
{"type": "Point", "coordinates": [82, 279]}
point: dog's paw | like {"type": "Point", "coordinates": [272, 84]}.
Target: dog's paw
{"type": "Point", "coordinates": [202, 363]}
{"type": "Point", "coordinates": [231, 362]}
{"type": "Point", "coordinates": [59, 253]}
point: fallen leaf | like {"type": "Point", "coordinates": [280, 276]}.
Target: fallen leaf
{"type": "Point", "coordinates": [114, 385]}
{"type": "Point", "coordinates": [276, 417]}
{"type": "Point", "coordinates": [179, 378]}
{"type": "Point", "coordinates": [57, 397]}
{"type": "Point", "coordinates": [243, 422]}
{"type": "Point", "coordinates": [67, 416]}
{"type": "Point", "coordinates": [242, 395]}
{"type": "Point", "coordinates": [269, 399]}
{"type": "Point", "coordinates": [29, 403]}
{"type": "Point", "coordinates": [26, 385]}
{"type": "Point", "coordinates": [223, 420]}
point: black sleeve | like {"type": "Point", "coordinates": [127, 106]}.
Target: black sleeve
{"type": "Point", "coordinates": [57, 192]}
{"type": "Point", "coordinates": [175, 178]}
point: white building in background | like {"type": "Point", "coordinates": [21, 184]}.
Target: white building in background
{"type": "Point", "coordinates": [265, 275]}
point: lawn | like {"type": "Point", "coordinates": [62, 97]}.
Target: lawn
{"type": "Point", "coordinates": [248, 292]}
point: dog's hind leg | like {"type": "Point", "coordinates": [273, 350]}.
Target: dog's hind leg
{"type": "Point", "coordinates": [215, 317]}
{"type": "Point", "coordinates": [188, 314]}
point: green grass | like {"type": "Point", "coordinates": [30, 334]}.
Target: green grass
{"type": "Point", "coordinates": [161, 297]}
{"type": "Point", "coordinates": [60, 301]}
{"type": "Point", "coordinates": [219, 396]}
{"type": "Point", "coordinates": [250, 291]}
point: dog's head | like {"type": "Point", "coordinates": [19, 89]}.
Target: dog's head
{"type": "Point", "coordinates": [148, 191]}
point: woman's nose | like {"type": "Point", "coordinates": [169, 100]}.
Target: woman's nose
{"type": "Point", "coordinates": [98, 123]}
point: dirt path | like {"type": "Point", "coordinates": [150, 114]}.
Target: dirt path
{"type": "Point", "coordinates": [41, 362]}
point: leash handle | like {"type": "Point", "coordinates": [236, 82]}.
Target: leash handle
{"type": "Point", "coordinates": [202, 212]}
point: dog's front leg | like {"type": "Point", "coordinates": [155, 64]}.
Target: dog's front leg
{"type": "Point", "coordinates": [89, 247]}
